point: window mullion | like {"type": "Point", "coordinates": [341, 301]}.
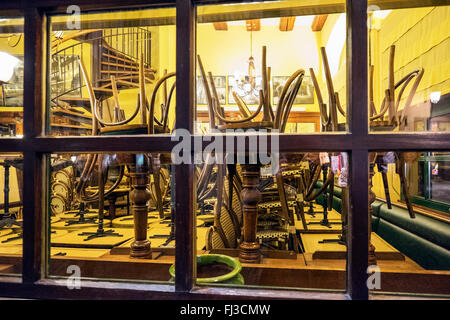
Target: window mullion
{"type": "Point", "coordinates": [185, 252]}
{"type": "Point", "coordinates": [32, 190]}
{"type": "Point", "coordinates": [357, 250]}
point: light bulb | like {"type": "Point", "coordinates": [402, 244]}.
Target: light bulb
{"type": "Point", "coordinates": [7, 65]}
{"type": "Point", "coordinates": [435, 96]}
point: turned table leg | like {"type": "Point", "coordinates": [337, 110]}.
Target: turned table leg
{"type": "Point", "coordinates": [139, 196]}
{"type": "Point", "coordinates": [249, 248]}
{"type": "Point", "coordinates": [112, 206]}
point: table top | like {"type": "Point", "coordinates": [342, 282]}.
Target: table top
{"type": "Point", "coordinates": [333, 217]}
{"type": "Point", "coordinates": [312, 245]}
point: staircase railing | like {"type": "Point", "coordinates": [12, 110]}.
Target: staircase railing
{"type": "Point", "coordinates": [65, 70]}
{"type": "Point", "coordinates": [130, 41]}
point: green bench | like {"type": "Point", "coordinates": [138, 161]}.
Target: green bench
{"type": "Point", "coordinates": [424, 240]}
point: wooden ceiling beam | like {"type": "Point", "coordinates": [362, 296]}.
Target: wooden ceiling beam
{"type": "Point", "coordinates": [220, 26]}
{"type": "Point", "coordinates": [253, 25]}
{"type": "Point", "coordinates": [287, 23]}
{"type": "Point", "coordinates": [318, 22]}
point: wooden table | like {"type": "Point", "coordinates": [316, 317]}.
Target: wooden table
{"type": "Point", "coordinates": [339, 251]}
{"type": "Point", "coordinates": [333, 216]}
{"type": "Point", "coordinates": [74, 240]}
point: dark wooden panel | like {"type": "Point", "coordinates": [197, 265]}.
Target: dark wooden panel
{"type": "Point", "coordinates": [60, 6]}
{"type": "Point", "coordinates": [357, 239]}
{"type": "Point", "coordinates": [358, 233]}
{"type": "Point", "coordinates": [32, 168]}
{"type": "Point", "coordinates": [54, 289]}
{"type": "Point", "coordinates": [185, 254]}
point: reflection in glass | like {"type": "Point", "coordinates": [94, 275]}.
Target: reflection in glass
{"type": "Point", "coordinates": [410, 213]}
{"type": "Point", "coordinates": [260, 49]}
{"type": "Point", "coordinates": [11, 205]}
{"type": "Point", "coordinates": [117, 70]}
{"type": "Point", "coordinates": [409, 77]}
{"type": "Point", "coordinates": [11, 76]}
{"type": "Point", "coordinates": [280, 226]}
{"type": "Point", "coordinates": [111, 208]}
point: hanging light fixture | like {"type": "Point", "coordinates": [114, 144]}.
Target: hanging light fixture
{"type": "Point", "coordinates": [251, 67]}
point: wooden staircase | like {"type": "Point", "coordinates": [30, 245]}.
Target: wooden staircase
{"type": "Point", "coordinates": [66, 116]}
{"type": "Point", "coordinates": [124, 68]}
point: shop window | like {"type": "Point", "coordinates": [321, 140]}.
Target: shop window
{"type": "Point", "coordinates": [410, 236]}
{"type": "Point", "coordinates": [409, 72]}
{"type": "Point", "coordinates": [111, 212]}
{"type": "Point", "coordinates": [280, 65]}
{"type": "Point", "coordinates": [112, 73]}
{"type": "Point", "coordinates": [282, 224]}
{"type": "Point", "coordinates": [11, 213]}
{"type": "Point", "coordinates": [11, 76]}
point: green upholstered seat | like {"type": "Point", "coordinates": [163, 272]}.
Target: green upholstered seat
{"type": "Point", "coordinates": [425, 227]}
{"type": "Point", "coordinates": [424, 240]}
{"type": "Point", "coordinates": [425, 253]}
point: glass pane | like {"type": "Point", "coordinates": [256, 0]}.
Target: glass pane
{"type": "Point", "coordinates": [409, 69]}
{"type": "Point", "coordinates": [115, 222]}
{"type": "Point", "coordinates": [11, 76]}
{"type": "Point", "coordinates": [279, 65]}
{"type": "Point", "coordinates": [282, 224]}
{"type": "Point", "coordinates": [410, 222]}
{"type": "Point", "coordinates": [121, 62]}
{"type": "Point", "coordinates": [11, 236]}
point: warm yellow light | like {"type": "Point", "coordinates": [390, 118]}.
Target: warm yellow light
{"type": "Point", "coordinates": [435, 96]}
{"type": "Point", "coordinates": [7, 65]}
{"type": "Point", "coordinates": [381, 14]}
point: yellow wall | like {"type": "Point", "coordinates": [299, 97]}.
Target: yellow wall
{"type": "Point", "coordinates": [226, 52]}
{"type": "Point", "coordinates": [422, 40]}
{"type": "Point", "coordinates": [393, 182]}
{"type": "Point", "coordinates": [323, 39]}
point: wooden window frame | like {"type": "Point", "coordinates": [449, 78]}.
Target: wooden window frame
{"type": "Point", "coordinates": [358, 142]}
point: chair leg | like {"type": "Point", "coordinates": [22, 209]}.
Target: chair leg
{"type": "Point", "coordinates": [156, 168]}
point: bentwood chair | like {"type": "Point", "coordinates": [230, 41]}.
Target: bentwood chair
{"type": "Point", "coordinates": [396, 119]}
{"type": "Point", "coordinates": [268, 121]}
{"type": "Point", "coordinates": [140, 165]}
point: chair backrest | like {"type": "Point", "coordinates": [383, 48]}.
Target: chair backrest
{"type": "Point", "coordinates": [391, 102]}
{"type": "Point", "coordinates": [227, 214]}
{"type": "Point", "coordinates": [329, 118]}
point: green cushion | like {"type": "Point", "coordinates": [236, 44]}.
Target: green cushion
{"type": "Point", "coordinates": [425, 227]}
{"type": "Point", "coordinates": [337, 202]}
{"type": "Point", "coordinates": [337, 190]}
{"type": "Point", "coordinates": [131, 131]}
{"type": "Point", "coordinates": [425, 253]}
{"type": "Point", "coordinates": [376, 214]}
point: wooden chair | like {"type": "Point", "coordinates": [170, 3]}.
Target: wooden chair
{"type": "Point", "coordinates": [226, 231]}
{"type": "Point", "coordinates": [329, 118]}
{"type": "Point", "coordinates": [269, 121]}
{"type": "Point", "coordinates": [139, 165]}
{"type": "Point", "coordinates": [391, 104]}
